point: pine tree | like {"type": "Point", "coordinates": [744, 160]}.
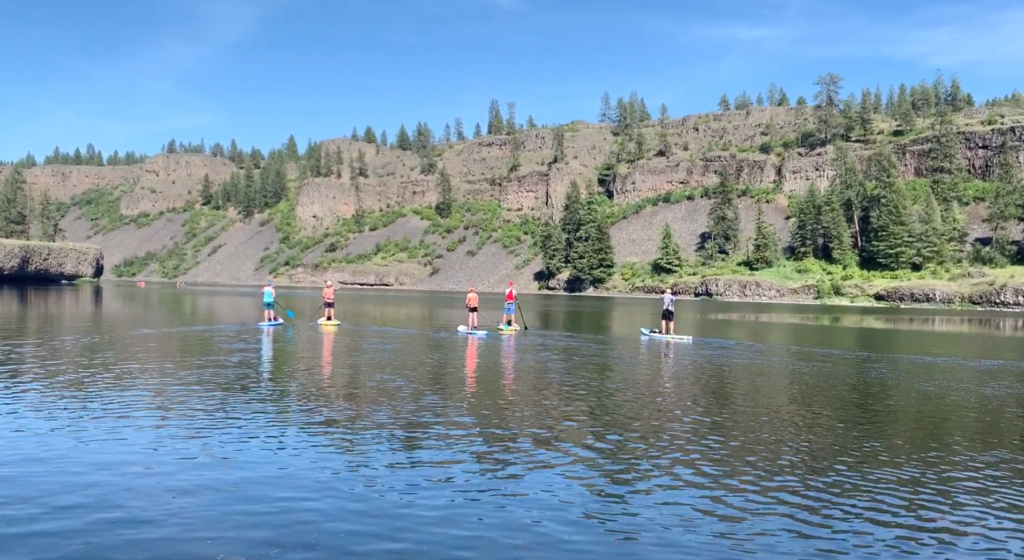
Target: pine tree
{"type": "Point", "coordinates": [558, 146]}
{"type": "Point", "coordinates": [1005, 206]}
{"type": "Point", "coordinates": [865, 111]}
{"type": "Point", "coordinates": [359, 166]}
{"type": "Point", "coordinates": [477, 131]}
{"type": "Point", "coordinates": [956, 99]}
{"type": "Point", "coordinates": [940, 91]}
{"type": "Point", "coordinates": [930, 243]}
{"type": "Point", "coordinates": [723, 233]}
{"type": "Point", "coordinates": [383, 140]}
{"type": "Point", "coordinates": [604, 115]}
{"type": "Point", "coordinates": [836, 241]}
{"type": "Point", "coordinates": [805, 229]}
{"type": "Point", "coordinates": [511, 125]}
{"type": "Point", "coordinates": [402, 140]}
{"type": "Point", "coordinates": [643, 115]}
{"type": "Point", "coordinates": [593, 260]}
{"type": "Point", "coordinates": [460, 134]}
{"type": "Point", "coordinates": [723, 103]}
{"type": "Point", "coordinates": [945, 169]}
{"type": "Point", "coordinates": [890, 102]}
{"type": "Point", "coordinates": [742, 102]}
{"type": "Point", "coordinates": [235, 155]}
{"type": "Point", "coordinates": [664, 140]}
{"type": "Point", "coordinates": [760, 100]}
{"type": "Point", "coordinates": [876, 100]}
{"type": "Point", "coordinates": [848, 185]}
{"type": "Point", "coordinates": [49, 219]}
{"type": "Point", "coordinates": [530, 123]}
{"type": "Point", "coordinates": [783, 99]}
{"type": "Point", "coordinates": [495, 122]}
{"type": "Point", "coordinates": [369, 136]}
{"type": "Point", "coordinates": [14, 205]}
{"type": "Point", "coordinates": [922, 99]}
{"type": "Point", "coordinates": [445, 201]}
{"type": "Point", "coordinates": [801, 101]}
{"type": "Point", "coordinates": [904, 113]}
{"type": "Point", "coordinates": [79, 159]}
{"type": "Point", "coordinates": [446, 134]}
{"type": "Point", "coordinates": [572, 221]}
{"type": "Point", "coordinates": [248, 197]}
{"type": "Point", "coordinates": [206, 191]}
{"type": "Point", "coordinates": [954, 226]}
{"type": "Point", "coordinates": [669, 260]}
{"type": "Point", "coordinates": [256, 156]}
{"type": "Point", "coordinates": [828, 104]}
{"type": "Point", "coordinates": [773, 94]}
{"type": "Point", "coordinates": [313, 160]}
{"type": "Point", "coordinates": [552, 249]}
{"type": "Point", "coordinates": [274, 178]}
{"type": "Point", "coordinates": [892, 235]}
{"type": "Point", "coordinates": [764, 251]}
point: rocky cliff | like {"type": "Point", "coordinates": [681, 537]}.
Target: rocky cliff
{"type": "Point", "coordinates": [31, 261]}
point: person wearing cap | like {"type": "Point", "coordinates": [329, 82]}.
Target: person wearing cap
{"type": "Point", "coordinates": [509, 317]}
{"type": "Point", "coordinates": [473, 307]}
{"type": "Point", "coordinates": [328, 295]}
{"type": "Point", "coordinates": [268, 302]}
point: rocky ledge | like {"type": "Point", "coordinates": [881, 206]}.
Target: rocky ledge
{"type": "Point", "coordinates": [980, 295]}
{"type": "Point", "coordinates": [32, 261]}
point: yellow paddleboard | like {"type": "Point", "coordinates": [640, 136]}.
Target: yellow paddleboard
{"type": "Point", "coordinates": [324, 323]}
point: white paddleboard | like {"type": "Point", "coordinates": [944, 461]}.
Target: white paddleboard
{"type": "Point", "coordinates": [465, 330]}
{"type": "Point", "coordinates": [647, 332]}
{"type": "Point", "coordinates": [279, 321]}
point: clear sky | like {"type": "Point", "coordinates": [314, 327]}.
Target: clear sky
{"type": "Point", "coordinates": [132, 74]}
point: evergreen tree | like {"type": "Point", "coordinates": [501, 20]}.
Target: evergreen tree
{"type": "Point", "coordinates": [890, 102]}
{"type": "Point", "coordinates": [572, 221]}
{"type": "Point", "coordinates": [14, 205]}
{"type": "Point", "coordinates": [773, 94]}
{"type": "Point", "coordinates": [922, 99]}
{"type": "Point", "coordinates": [954, 225]}
{"type": "Point", "coordinates": [49, 219]}
{"type": "Point", "coordinates": [783, 99]}
{"type": "Point", "coordinates": [945, 169]}
{"type": "Point", "coordinates": [354, 135]}
{"type": "Point", "coordinates": [1005, 206]}
{"type": "Point", "coordinates": [723, 103]}
{"type": "Point", "coordinates": [383, 140]}
{"type": "Point", "coordinates": [876, 100]}
{"type": "Point", "coordinates": [248, 197]}
{"type": "Point", "coordinates": [805, 229]}
{"type": "Point", "coordinates": [256, 156]}
{"type": "Point", "coordinates": [446, 134]}
{"type": "Point", "coordinates": [552, 249]}
{"type": "Point", "coordinates": [760, 100]}
{"type": "Point", "coordinates": [78, 159]}
{"type": "Point", "coordinates": [892, 232]}
{"type": "Point", "coordinates": [274, 181]}
{"type": "Point", "coordinates": [460, 133]}
{"type": "Point", "coordinates": [764, 251]}
{"type": "Point", "coordinates": [235, 155]}
{"type": "Point", "coordinates": [956, 100]}
{"type": "Point", "coordinates": [848, 184]}
{"type": "Point", "coordinates": [291, 148]}
{"type": "Point", "coordinates": [217, 150]}
{"type": "Point", "coordinates": [643, 115]}
{"type": "Point", "coordinates": [495, 122]}
{"type": "Point", "coordinates": [313, 160]}
{"type": "Point", "coordinates": [593, 260]}
{"type": "Point", "coordinates": [206, 191]}
{"type": "Point", "coordinates": [940, 91]}
{"type": "Point", "coordinates": [477, 131]}
{"type": "Point", "coordinates": [530, 123]}
{"type": "Point", "coordinates": [836, 240]}
{"type": "Point", "coordinates": [742, 102]}
{"type": "Point", "coordinates": [904, 113]}
{"type": "Point", "coordinates": [930, 247]}
{"type": "Point", "coordinates": [669, 260]}
{"type": "Point", "coordinates": [359, 166]}
{"type": "Point", "coordinates": [558, 145]}
{"type": "Point", "coordinates": [369, 136]}
{"type": "Point", "coordinates": [445, 200]}
{"type": "Point", "coordinates": [801, 101]}
{"type": "Point", "coordinates": [402, 140]}
{"type": "Point", "coordinates": [848, 118]}
{"type": "Point", "coordinates": [664, 140]}
{"type": "Point", "coordinates": [828, 104]}
{"type": "Point", "coordinates": [604, 116]}
{"type": "Point", "coordinates": [723, 233]}
{"type": "Point", "coordinates": [511, 125]}
{"type": "Point", "coordinates": [865, 112]}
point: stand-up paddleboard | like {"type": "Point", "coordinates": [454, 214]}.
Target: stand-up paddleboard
{"type": "Point", "coordinates": [277, 321]}
{"type": "Point", "coordinates": [327, 323]}
{"type": "Point", "coordinates": [503, 329]}
{"type": "Point", "coordinates": [465, 330]}
{"type": "Point", "coordinates": [648, 332]}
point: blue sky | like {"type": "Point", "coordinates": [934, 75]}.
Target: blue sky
{"type": "Point", "coordinates": [130, 75]}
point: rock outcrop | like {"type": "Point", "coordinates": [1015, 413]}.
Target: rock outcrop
{"type": "Point", "coordinates": [751, 289]}
{"type": "Point", "coordinates": [32, 261]}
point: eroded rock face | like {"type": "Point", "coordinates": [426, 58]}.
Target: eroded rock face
{"type": "Point", "coordinates": [754, 289]}
{"type": "Point", "coordinates": [364, 275]}
{"type": "Point", "coordinates": [920, 294]}
{"type": "Point", "coordinates": [31, 261]}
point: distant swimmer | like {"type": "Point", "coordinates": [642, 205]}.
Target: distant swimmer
{"type": "Point", "coordinates": [508, 318]}
{"type": "Point", "coordinates": [268, 302]}
{"type": "Point", "coordinates": [473, 308]}
{"type": "Point", "coordinates": [328, 295]}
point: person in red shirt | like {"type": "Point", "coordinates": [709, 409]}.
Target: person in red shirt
{"type": "Point", "coordinates": [509, 317]}
{"type": "Point", "coordinates": [328, 295]}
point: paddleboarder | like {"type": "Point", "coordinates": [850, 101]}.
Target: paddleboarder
{"type": "Point", "coordinates": [328, 295]}
{"type": "Point", "coordinates": [472, 307]}
{"type": "Point", "coordinates": [268, 302]}
{"type": "Point", "coordinates": [509, 317]}
{"type": "Point", "coordinates": [668, 312]}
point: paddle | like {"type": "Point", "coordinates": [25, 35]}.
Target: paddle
{"type": "Point", "coordinates": [287, 312]}
{"type": "Point", "coordinates": [525, 328]}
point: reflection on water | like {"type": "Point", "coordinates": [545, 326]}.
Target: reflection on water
{"type": "Point", "coordinates": [1010, 325]}
{"type": "Point", "coordinates": [166, 425]}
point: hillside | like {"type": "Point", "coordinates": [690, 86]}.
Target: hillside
{"type": "Point", "coordinates": [362, 213]}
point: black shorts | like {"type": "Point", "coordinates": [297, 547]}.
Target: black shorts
{"type": "Point", "coordinates": [668, 315]}
{"type": "Point", "coordinates": [474, 309]}
{"type": "Point", "coordinates": [328, 305]}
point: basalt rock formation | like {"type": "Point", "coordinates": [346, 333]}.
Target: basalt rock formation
{"type": "Point", "coordinates": [32, 261]}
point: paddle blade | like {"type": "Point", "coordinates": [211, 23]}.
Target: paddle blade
{"type": "Point", "coordinates": [289, 313]}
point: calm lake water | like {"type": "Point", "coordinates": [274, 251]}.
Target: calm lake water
{"type": "Point", "coordinates": [156, 423]}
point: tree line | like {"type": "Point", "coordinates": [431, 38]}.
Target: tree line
{"type": "Point", "coordinates": [20, 211]}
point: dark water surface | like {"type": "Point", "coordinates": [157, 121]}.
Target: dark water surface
{"type": "Point", "coordinates": [161, 423]}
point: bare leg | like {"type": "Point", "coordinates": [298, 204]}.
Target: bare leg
{"type": "Point", "coordinates": [672, 327]}
{"type": "Point", "coordinates": [663, 326]}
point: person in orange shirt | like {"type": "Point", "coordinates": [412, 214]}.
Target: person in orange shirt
{"type": "Point", "coordinates": [473, 307]}
{"type": "Point", "coordinates": [328, 295]}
